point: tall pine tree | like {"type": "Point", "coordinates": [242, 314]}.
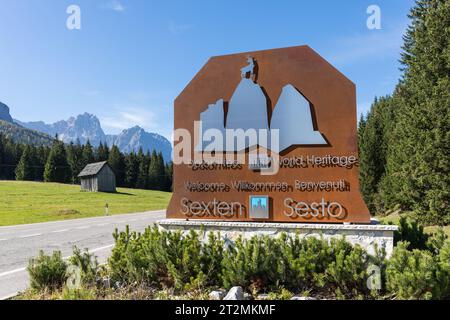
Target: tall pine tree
{"type": "Point", "coordinates": [131, 170]}
{"type": "Point", "coordinates": [373, 133]}
{"type": "Point", "coordinates": [417, 158]}
{"type": "Point", "coordinates": [117, 163]}
{"type": "Point", "coordinates": [24, 169]}
{"type": "Point", "coordinates": [76, 160]}
{"type": "Point", "coordinates": [57, 168]}
{"type": "Point", "coordinates": [404, 142]}
{"type": "Point", "coordinates": [102, 153]}
{"type": "Point", "coordinates": [142, 176]}
{"type": "Point", "coordinates": [156, 172]}
{"type": "Point", "coordinates": [88, 154]}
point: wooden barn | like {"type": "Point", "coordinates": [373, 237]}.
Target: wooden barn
{"type": "Point", "coordinates": [98, 177]}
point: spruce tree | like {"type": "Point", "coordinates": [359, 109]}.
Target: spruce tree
{"type": "Point", "coordinates": [102, 153]}
{"type": "Point", "coordinates": [75, 160]}
{"type": "Point", "coordinates": [417, 157]}
{"type": "Point", "coordinates": [117, 163]}
{"type": "Point", "coordinates": [168, 177]}
{"type": "Point", "coordinates": [142, 176]}
{"type": "Point", "coordinates": [41, 156]}
{"type": "Point", "coordinates": [161, 172]}
{"type": "Point", "coordinates": [88, 154]}
{"type": "Point", "coordinates": [24, 169]}
{"type": "Point", "coordinates": [156, 172]}
{"type": "Point", "coordinates": [12, 155]}
{"type": "Point", "coordinates": [131, 170]}
{"type": "Point", "coordinates": [373, 133]}
{"type": "Point", "coordinates": [57, 168]}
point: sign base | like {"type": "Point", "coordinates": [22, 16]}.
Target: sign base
{"type": "Point", "coordinates": [367, 236]}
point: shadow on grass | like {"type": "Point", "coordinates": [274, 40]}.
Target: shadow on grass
{"type": "Point", "coordinates": [123, 193]}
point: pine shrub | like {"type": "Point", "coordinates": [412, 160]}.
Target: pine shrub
{"type": "Point", "coordinates": [47, 272]}
{"type": "Point", "coordinates": [303, 261]}
{"type": "Point", "coordinates": [165, 259]}
{"type": "Point", "coordinates": [88, 265]}
{"type": "Point", "coordinates": [411, 231]}
{"type": "Point", "coordinates": [347, 273]}
{"type": "Point", "coordinates": [251, 263]}
{"type": "Point", "coordinates": [417, 274]}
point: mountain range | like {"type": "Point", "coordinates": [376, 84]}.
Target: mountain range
{"type": "Point", "coordinates": [85, 127]}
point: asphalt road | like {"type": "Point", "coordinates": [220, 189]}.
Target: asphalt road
{"type": "Point", "coordinates": [20, 243]}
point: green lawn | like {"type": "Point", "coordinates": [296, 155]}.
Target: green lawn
{"type": "Point", "coordinates": [30, 202]}
{"type": "Point", "coordinates": [395, 217]}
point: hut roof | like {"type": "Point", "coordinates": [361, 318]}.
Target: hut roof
{"type": "Point", "coordinates": [92, 169]}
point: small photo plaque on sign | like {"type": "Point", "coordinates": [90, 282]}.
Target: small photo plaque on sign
{"type": "Point", "coordinates": [259, 207]}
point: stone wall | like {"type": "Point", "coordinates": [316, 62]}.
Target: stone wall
{"type": "Point", "coordinates": [364, 235]}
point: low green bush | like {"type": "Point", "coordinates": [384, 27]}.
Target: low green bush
{"type": "Point", "coordinates": [409, 230]}
{"type": "Point", "coordinates": [47, 272]}
{"type": "Point", "coordinates": [417, 274]}
{"type": "Point", "coordinates": [87, 264]}
{"type": "Point", "coordinates": [186, 263]}
{"type": "Point", "coordinates": [347, 272]}
{"type": "Point", "coordinates": [165, 259]}
{"type": "Point", "coordinates": [251, 264]}
{"type": "Point", "coordinates": [169, 260]}
{"type": "Point", "coordinates": [302, 263]}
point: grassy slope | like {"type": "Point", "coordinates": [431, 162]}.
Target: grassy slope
{"type": "Point", "coordinates": [29, 202]}
{"type": "Point", "coordinates": [395, 217]}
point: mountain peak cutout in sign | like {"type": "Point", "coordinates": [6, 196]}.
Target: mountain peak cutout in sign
{"type": "Point", "coordinates": [248, 109]}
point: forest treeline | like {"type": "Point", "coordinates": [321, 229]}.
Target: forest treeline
{"type": "Point", "coordinates": [404, 140]}
{"type": "Point", "coordinates": [63, 162]}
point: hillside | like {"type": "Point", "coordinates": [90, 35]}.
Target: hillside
{"type": "Point", "coordinates": [23, 135]}
{"type": "Point", "coordinates": [30, 202]}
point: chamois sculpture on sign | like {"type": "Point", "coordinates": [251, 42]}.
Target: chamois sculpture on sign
{"type": "Point", "coordinates": [247, 109]}
{"type": "Point", "coordinates": [250, 68]}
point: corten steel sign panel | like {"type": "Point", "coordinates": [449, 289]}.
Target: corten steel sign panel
{"type": "Point", "coordinates": [317, 179]}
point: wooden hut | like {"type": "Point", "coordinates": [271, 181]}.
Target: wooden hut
{"type": "Point", "coordinates": [98, 177]}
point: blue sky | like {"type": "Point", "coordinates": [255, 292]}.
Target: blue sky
{"type": "Point", "coordinates": [131, 58]}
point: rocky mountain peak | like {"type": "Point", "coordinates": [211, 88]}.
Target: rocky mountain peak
{"type": "Point", "coordinates": [4, 113]}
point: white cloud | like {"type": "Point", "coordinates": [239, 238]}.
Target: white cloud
{"type": "Point", "coordinates": [372, 44]}
{"type": "Point", "coordinates": [115, 5]}
{"type": "Point", "coordinates": [176, 29]}
{"type": "Point", "coordinates": [121, 118]}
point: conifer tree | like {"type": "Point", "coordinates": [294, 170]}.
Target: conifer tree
{"type": "Point", "coordinates": [156, 172]}
{"type": "Point", "coordinates": [24, 169]}
{"type": "Point", "coordinates": [117, 163]}
{"type": "Point", "coordinates": [57, 168]}
{"type": "Point", "coordinates": [75, 160]}
{"type": "Point", "coordinates": [131, 170]}
{"type": "Point", "coordinates": [41, 155]}
{"type": "Point", "coordinates": [12, 156]}
{"type": "Point", "coordinates": [88, 154]}
{"type": "Point", "coordinates": [102, 152]}
{"type": "Point", "coordinates": [373, 134]}
{"type": "Point", "coordinates": [168, 177]}
{"type": "Point", "coordinates": [142, 176]}
{"type": "Point", "coordinates": [417, 158]}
